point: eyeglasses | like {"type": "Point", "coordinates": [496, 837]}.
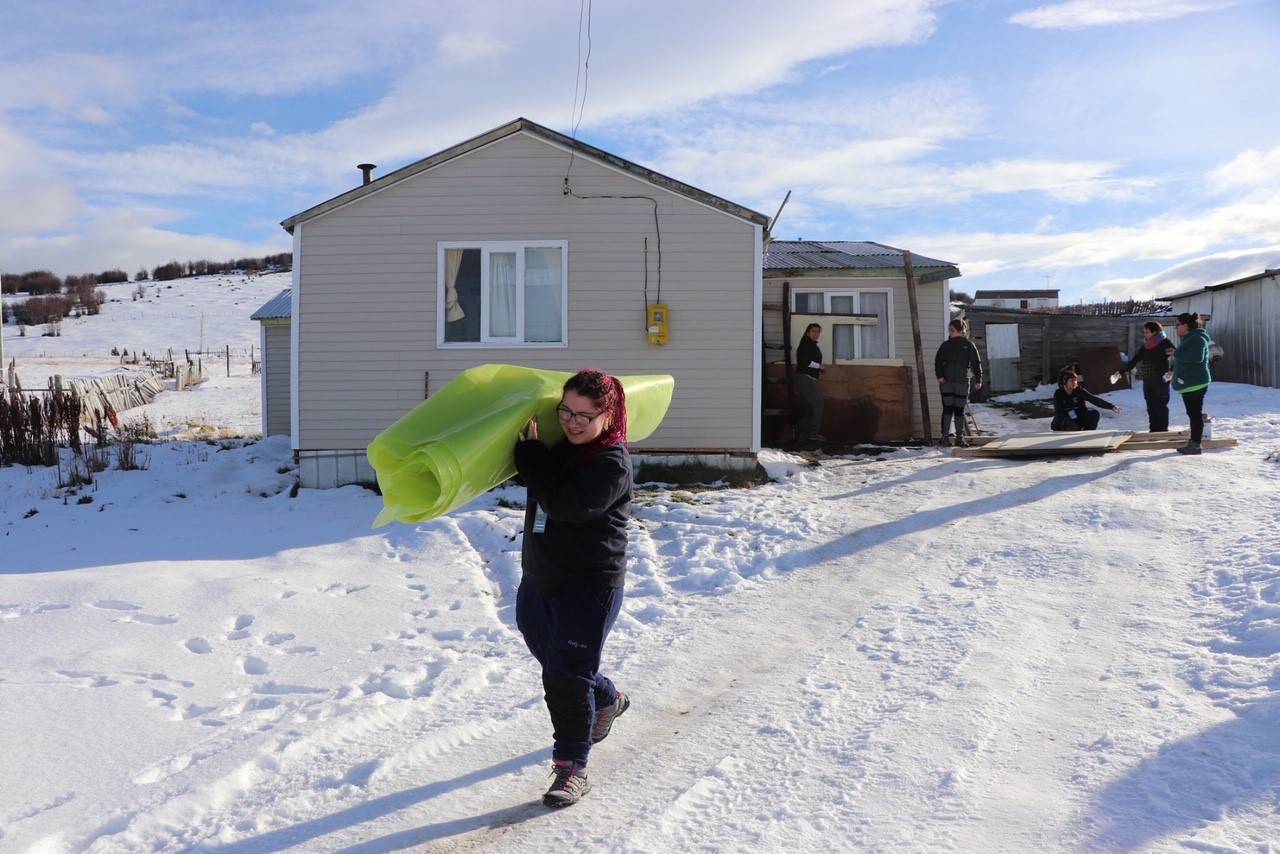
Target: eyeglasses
{"type": "Point", "coordinates": [582, 419]}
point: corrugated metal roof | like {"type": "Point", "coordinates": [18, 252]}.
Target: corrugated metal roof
{"type": "Point", "coordinates": [840, 255]}
{"type": "Point", "coordinates": [1032, 294]}
{"type": "Point", "coordinates": [278, 307]}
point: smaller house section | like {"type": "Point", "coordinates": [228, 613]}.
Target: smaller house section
{"type": "Point", "coordinates": [276, 362]}
{"type": "Point", "coordinates": [883, 312]}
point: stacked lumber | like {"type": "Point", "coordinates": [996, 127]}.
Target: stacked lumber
{"type": "Point", "coordinates": [1082, 442]}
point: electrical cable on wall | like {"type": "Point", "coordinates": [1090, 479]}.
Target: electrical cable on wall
{"type": "Point", "coordinates": [575, 119]}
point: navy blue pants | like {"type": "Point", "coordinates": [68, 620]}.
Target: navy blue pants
{"type": "Point", "coordinates": [1156, 392]}
{"type": "Point", "coordinates": [565, 630]}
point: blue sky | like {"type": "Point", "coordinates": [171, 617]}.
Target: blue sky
{"type": "Point", "coordinates": [1106, 148]}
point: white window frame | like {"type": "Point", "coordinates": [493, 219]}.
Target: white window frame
{"type": "Point", "coordinates": [828, 294]}
{"type": "Point", "coordinates": [487, 248]}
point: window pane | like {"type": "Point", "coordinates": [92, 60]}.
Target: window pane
{"type": "Point", "coordinates": [841, 304]}
{"type": "Point", "coordinates": [808, 303]}
{"type": "Point", "coordinates": [502, 295]}
{"type": "Point", "coordinates": [543, 281]}
{"type": "Point", "coordinates": [462, 321]}
{"type": "Point", "coordinates": [843, 336]}
{"type": "Point", "coordinates": [875, 339]}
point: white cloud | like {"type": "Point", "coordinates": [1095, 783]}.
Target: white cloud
{"type": "Point", "coordinates": [1252, 171]}
{"type": "Point", "coordinates": [1200, 272]}
{"type": "Point", "coordinates": [1170, 237]}
{"type": "Point", "coordinates": [128, 240]}
{"type": "Point", "coordinates": [1077, 14]}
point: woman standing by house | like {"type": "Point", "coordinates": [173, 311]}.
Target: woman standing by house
{"type": "Point", "coordinates": [808, 369]}
{"type": "Point", "coordinates": [957, 358]}
{"type": "Point", "coordinates": [1152, 362]}
{"type": "Point", "coordinates": [574, 565]}
{"type": "Point", "coordinates": [1191, 376]}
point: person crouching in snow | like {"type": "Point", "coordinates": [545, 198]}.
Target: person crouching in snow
{"type": "Point", "coordinates": [1069, 409]}
{"type": "Point", "coordinates": [574, 565]}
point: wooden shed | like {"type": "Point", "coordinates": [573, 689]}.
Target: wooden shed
{"type": "Point", "coordinates": [1022, 349]}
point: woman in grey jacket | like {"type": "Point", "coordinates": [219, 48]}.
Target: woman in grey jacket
{"type": "Point", "coordinates": [956, 360]}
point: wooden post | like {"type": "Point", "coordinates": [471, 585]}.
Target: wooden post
{"type": "Point", "coordinates": [922, 375]}
{"type": "Point", "coordinates": [786, 351]}
{"type": "Point", "coordinates": [228, 360]}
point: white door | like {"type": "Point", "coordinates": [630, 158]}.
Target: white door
{"type": "Point", "coordinates": [1004, 356]}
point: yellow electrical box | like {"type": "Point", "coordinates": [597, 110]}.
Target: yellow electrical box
{"type": "Point", "coordinates": [657, 323]}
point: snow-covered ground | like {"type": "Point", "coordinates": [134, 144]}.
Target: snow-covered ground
{"type": "Point", "coordinates": [909, 652]}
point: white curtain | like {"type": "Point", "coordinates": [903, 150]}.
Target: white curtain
{"type": "Point", "coordinates": [542, 286]}
{"type": "Point", "coordinates": [452, 263]}
{"type": "Point", "coordinates": [875, 339]}
{"type": "Point", "coordinates": [502, 295]}
{"type": "Point", "coordinates": [844, 341]}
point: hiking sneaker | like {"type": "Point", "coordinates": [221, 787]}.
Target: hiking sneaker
{"type": "Point", "coordinates": [606, 716]}
{"type": "Point", "coordinates": [1192, 448]}
{"type": "Point", "coordinates": [569, 785]}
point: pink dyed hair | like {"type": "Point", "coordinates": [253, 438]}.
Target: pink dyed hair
{"type": "Point", "coordinates": [606, 391]}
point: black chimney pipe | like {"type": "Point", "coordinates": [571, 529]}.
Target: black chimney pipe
{"type": "Point", "coordinates": [367, 169]}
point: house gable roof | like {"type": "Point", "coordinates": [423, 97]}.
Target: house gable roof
{"type": "Point", "coordinates": [525, 126]}
{"type": "Point", "coordinates": [850, 258]}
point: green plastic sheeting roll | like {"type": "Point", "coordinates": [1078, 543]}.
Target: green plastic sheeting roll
{"type": "Point", "coordinates": [459, 443]}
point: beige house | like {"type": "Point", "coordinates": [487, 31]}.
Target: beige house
{"type": "Point", "coordinates": [520, 246]}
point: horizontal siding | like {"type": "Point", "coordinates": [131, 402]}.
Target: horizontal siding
{"type": "Point", "coordinates": [277, 384]}
{"type": "Point", "coordinates": [367, 293]}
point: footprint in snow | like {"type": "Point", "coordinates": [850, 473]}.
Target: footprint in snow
{"type": "Point", "coordinates": [240, 629]}
{"type": "Point", "coordinates": [199, 646]}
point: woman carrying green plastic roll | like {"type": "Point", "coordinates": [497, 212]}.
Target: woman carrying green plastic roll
{"type": "Point", "coordinates": [574, 567]}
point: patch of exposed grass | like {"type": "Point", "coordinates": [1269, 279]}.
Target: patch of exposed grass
{"type": "Point", "coordinates": [1026, 409]}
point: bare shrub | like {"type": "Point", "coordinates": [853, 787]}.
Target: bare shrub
{"type": "Point", "coordinates": [132, 434]}
{"type": "Point", "coordinates": [32, 428]}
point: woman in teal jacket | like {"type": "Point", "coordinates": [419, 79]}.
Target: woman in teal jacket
{"type": "Point", "coordinates": [1191, 374]}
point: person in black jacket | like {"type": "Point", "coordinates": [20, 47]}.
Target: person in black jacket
{"type": "Point", "coordinates": [1152, 363]}
{"type": "Point", "coordinates": [808, 369]}
{"type": "Point", "coordinates": [573, 557]}
{"type": "Point", "coordinates": [956, 359]}
{"type": "Point", "coordinates": [1069, 409]}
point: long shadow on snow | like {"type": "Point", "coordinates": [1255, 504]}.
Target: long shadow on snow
{"type": "Point", "coordinates": [317, 828]}
{"type": "Point", "coordinates": [925, 520]}
{"type": "Point", "coordinates": [1193, 782]}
